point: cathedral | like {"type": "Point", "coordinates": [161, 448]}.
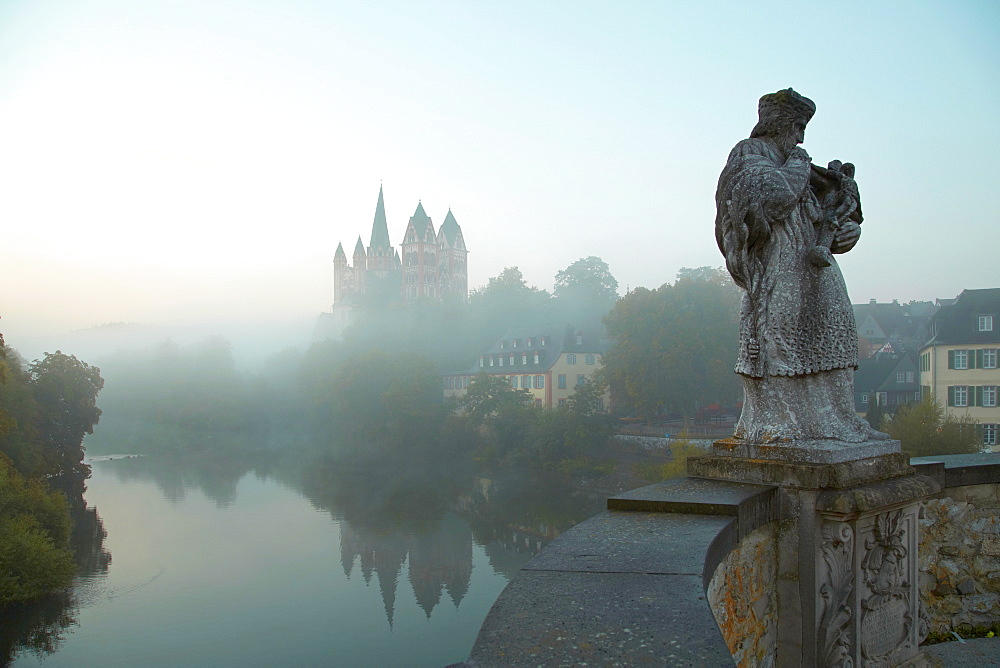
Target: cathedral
{"type": "Point", "coordinates": [431, 265]}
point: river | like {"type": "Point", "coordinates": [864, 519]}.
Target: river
{"type": "Point", "coordinates": [214, 563]}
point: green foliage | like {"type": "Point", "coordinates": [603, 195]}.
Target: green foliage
{"type": "Point", "coordinates": [66, 391]}
{"type": "Point", "coordinates": [675, 347]}
{"type": "Point", "coordinates": [34, 538]}
{"type": "Point", "coordinates": [584, 292]}
{"type": "Point", "coordinates": [680, 450]}
{"type": "Point", "coordinates": [490, 396]}
{"type": "Point", "coordinates": [875, 415]}
{"type": "Point", "coordinates": [925, 429]}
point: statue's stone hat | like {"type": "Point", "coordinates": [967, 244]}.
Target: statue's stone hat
{"type": "Point", "coordinates": [776, 110]}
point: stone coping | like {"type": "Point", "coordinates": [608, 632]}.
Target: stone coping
{"type": "Point", "coordinates": [960, 470]}
{"type": "Point", "coordinates": [628, 585]}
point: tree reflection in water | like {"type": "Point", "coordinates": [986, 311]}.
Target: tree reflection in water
{"type": "Point", "coordinates": [38, 627]}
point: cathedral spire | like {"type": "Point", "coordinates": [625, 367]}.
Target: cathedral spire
{"type": "Point", "coordinates": [380, 229]}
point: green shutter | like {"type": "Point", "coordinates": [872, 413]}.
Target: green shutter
{"type": "Point", "coordinates": [971, 356]}
{"type": "Point", "coordinates": [951, 360]}
{"type": "Point", "coordinates": [979, 358]}
{"type": "Point", "coordinates": [977, 398]}
{"type": "Point", "coordinates": [951, 395]}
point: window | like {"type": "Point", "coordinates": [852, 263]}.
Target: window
{"type": "Point", "coordinates": [925, 362]}
{"type": "Point", "coordinates": [513, 382]}
{"type": "Point", "coordinates": [526, 382]}
{"type": "Point", "coordinates": [536, 357]}
{"type": "Point", "coordinates": [562, 381]}
{"type": "Point", "coordinates": [539, 382]}
{"type": "Point", "coordinates": [524, 358]}
{"type": "Point", "coordinates": [909, 376]}
{"type": "Point", "coordinates": [491, 360]}
{"type": "Point", "coordinates": [589, 359]}
{"type": "Point", "coordinates": [538, 403]}
{"type": "Point", "coordinates": [882, 398]}
{"type": "Point", "coordinates": [958, 359]}
{"type": "Point", "coordinates": [579, 339]}
{"type": "Point", "coordinates": [989, 396]}
{"type": "Point", "coordinates": [502, 344]}
{"type": "Point", "coordinates": [864, 397]}
{"type": "Point", "coordinates": [958, 395]}
{"type": "Point", "coordinates": [989, 358]}
{"type": "Point", "coordinates": [500, 360]}
{"type": "Point", "coordinates": [985, 323]}
{"type": "Point", "coordinates": [562, 403]}
{"type": "Point", "coordinates": [545, 340]}
{"type": "Point", "coordinates": [530, 341]}
{"type": "Point", "coordinates": [580, 378]}
{"type": "Point", "coordinates": [989, 434]}
{"type": "Point", "coordinates": [513, 343]}
{"type": "Point", "coordinates": [480, 362]}
{"type": "Point", "coordinates": [511, 360]}
{"type": "Point", "coordinates": [570, 358]}
{"type": "Point", "coordinates": [900, 376]}
{"type": "Point", "coordinates": [449, 382]}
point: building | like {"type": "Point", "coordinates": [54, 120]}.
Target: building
{"type": "Point", "coordinates": [958, 365]}
{"type": "Point", "coordinates": [548, 361]}
{"type": "Point", "coordinates": [888, 378]}
{"type": "Point", "coordinates": [892, 327]}
{"type": "Point", "coordinates": [431, 265]}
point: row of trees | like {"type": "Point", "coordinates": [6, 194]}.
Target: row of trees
{"type": "Point", "coordinates": [46, 409]}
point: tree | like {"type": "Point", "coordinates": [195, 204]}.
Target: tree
{"type": "Point", "coordinates": [488, 397]}
{"type": "Point", "coordinates": [675, 347]}
{"type": "Point", "coordinates": [66, 390]}
{"type": "Point", "coordinates": [924, 429]}
{"type": "Point", "coordinates": [875, 415]}
{"type": "Point", "coordinates": [584, 293]}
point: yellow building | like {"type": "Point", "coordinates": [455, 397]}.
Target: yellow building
{"type": "Point", "coordinates": [548, 361]}
{"type": "Point", "coordinates": [959, 364]}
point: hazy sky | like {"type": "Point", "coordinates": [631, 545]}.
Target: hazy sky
{"type": "Point", "coordinates": [172, 161]}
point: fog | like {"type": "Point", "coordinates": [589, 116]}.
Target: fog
{"type": "Point", "coordinates": [196, 166]}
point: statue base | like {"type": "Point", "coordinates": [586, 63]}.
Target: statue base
{"type": "Point", "coordinates": [810, 451]}
{"type": "Point", "coordinates": [847, 578]}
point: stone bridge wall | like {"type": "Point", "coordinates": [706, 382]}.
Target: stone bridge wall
{"type": "Point", "coordinates": [960, 546]}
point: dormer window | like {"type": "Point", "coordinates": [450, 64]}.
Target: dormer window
{"type": "Point", "coordinates": [491, 360]}
{"type": "Point", "coordinates": [503, 344]}
{"type": "Point", "coordinates": [530, 341]}
{"type": "Point", "coordinates": [985, 323]}
{"type": "Point", "coordinates": [513, 343]}
{"type": "Point", "coordinates": [545, 340]}
{"type": "Point", "coordinates": [481, 362]}
{"type": "Point", "coordinates": [524, 358]}
{"type": "Point", "coordinates": [536, 357]}
{"type": "Point", "coordinates": [579, 339]}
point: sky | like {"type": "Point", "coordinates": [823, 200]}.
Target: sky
{"type": "Point", "coordinates": [196, 162]}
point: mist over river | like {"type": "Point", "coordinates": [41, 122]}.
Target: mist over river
{"type": "Point", "coordinates": [289, 562]}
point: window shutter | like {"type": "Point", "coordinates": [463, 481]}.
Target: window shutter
{"type": "Point", "coordinates": [978, 399]}
{"type": "Point", "coordinates": [979, 358]}
{"type": "Point", "coordinates": [951, 392]}
{"type": "Point", "coordinates": [951, 360]}
{"type": "Point", "coordinates": [971, 356]}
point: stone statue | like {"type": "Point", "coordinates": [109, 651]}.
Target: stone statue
{"type": "Point", "coordinates": [779, 218]}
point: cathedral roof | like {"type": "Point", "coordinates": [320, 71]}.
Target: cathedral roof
{"type": "Point", "coordinates": [420, 222]}
{"type": "Point", "coordinates": [380, 229]}
{"type": "Point", "coordinates": [359, 248]}
{"type": "Point", "coordinates": [450, 229]}
{"type": "Point", "coordinates": [340, 255]}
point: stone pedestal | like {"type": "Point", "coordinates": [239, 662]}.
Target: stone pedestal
{"type": "Point", "coordinates": [847, 548]}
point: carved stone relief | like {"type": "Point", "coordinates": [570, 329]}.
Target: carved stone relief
{"type": "Point", "coordinates": [837, 584]}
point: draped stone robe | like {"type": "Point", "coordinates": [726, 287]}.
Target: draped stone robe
{"type": "Point", "coordinates": [798, 339]}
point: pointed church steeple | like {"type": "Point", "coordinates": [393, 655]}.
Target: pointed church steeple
{"type": "Point", "coordinates": [380, 228]}
{"type": "Point", "coordinates": [340, 255]}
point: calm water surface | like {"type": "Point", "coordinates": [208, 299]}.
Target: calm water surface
{"type": "Point", "coordinates": [214, 565]}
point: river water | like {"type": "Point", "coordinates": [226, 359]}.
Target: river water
{"type": "Point", "coordinates": [300, 564]}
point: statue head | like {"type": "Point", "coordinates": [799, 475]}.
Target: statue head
{"type": "Point", "coordinates": [783, 113]}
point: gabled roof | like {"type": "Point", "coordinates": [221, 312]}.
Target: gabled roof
{"type": "Point", "coordinates": [380, 229]}
{"type": "Point", "coordinates": [560, 337]}
{"type": "Point", "coordinates": [450, 230]}
{"type": "Point", "coordinates": [958, 322]}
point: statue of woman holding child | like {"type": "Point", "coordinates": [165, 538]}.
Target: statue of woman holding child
{"type": "Point", "coordinates": [779, 221]}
